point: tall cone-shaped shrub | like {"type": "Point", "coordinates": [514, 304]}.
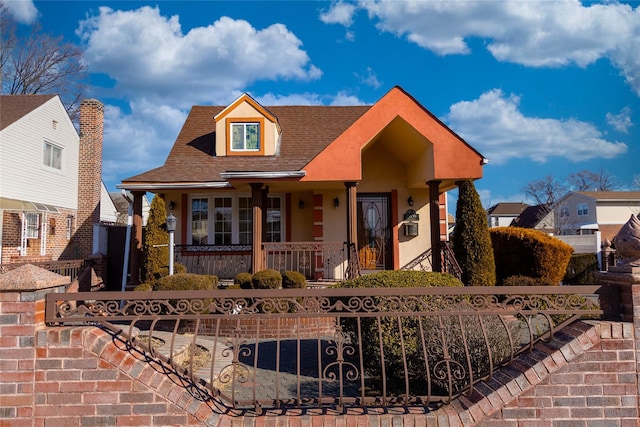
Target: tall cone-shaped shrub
{"type": "Point", "coordinates": [471, 239]}
{"type": "Point", "coordinates": [154, 256]}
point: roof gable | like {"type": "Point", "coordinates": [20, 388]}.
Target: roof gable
{"type": "Point", "coordinates": [15, 107]}
{"type": "Point", "coordinates": [450, 156]}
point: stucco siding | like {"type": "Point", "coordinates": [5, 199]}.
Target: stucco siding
{"type": "Point", "coordinates": [615, 213]}
{"type": "Point", "coordinates": [23, 176]}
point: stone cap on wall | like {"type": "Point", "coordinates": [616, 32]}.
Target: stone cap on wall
{"type": "Point", "coordinates": [31, 278]}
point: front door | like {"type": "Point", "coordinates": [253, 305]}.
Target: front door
{"type": "Point", "coordinates": [374, 231]}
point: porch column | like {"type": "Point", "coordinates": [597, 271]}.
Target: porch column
{"type": "Point", "coordinates": [434, 223]}
{"type": "Point", "coordinates": [256, 247]}
{"type": "Point", "coordinates": [135, 255]}
{"type": "Point", "coordinates": [352, 214]}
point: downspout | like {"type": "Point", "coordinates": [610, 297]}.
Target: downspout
{"type": "Point", "coordinates": [127, 244]}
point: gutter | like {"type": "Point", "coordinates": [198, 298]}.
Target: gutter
{"type": "Point", "coordinates": [263, 175]}
{"type": "Point", "coordinates": [174, 186]}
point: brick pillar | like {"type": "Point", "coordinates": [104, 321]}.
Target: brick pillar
{"type": "Point", "coordinates": [89, 174]}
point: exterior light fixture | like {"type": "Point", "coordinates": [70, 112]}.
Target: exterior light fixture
{"type": "Point", "coordinates": [301, 204]}
{"type": "Point", "coordinates": [171, 228]}
{"type": "Point", "coordinates": [410, 201]}
{"type": "Point", "coordinates": [336, 202]}
{"type": "Point", "coordinates": [172, 205]}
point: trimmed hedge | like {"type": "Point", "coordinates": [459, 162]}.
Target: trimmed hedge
{"type": "Point", "coordinates": [187, 282]}
{"type": "Point", "coordinates": [527, 252]}
{"type": "Point", "coordinates": [243, 280]}
{"type": "Point", "coordinates": [293, 280]}
{"type": "Point", "coordinates": [581, 270]}
{"type": "Point", "coordinates": [267, 279]}
{"type": "Point", "coordinates": [402, 279]}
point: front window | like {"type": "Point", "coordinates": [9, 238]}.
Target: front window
{"type": "Point", "coordinates": [232, 220]}
{"type": "Point", "coordinates": [33, 225]}
{"type": "Point", "coordinates": [245, 136]}
{"type": "Point", "coordinates": [583, 209]}
{"type": "Point", "coordinates": [199, 221]}
{"type": "Point", "coordinates": [52, 156]}
{"type": "Point", "coordinates": [564, 211]}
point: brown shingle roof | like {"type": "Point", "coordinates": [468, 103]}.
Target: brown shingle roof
{"type": "Point", "coordinates": [507, 208]}
{"type": "Point", "coordinates": [14, 107]}
{"type": "Point", "coordinates": [611, 195]}
{"type": "Point", "coordinates": [306, 131]}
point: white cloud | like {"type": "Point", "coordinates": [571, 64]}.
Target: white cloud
{"type": "Point", "coordinates": [339, 13]}
{"type": "Point", "coordinates": [369, 79]}
{"type": "Point", "coordinates": [340, 99]}
{"type": "Point", "coordinates": [23, 11]}
{"type": "Point", "coordinates": [140, 140]}
{"type": "Point", "coordinates": [536, 34]}
{"type": "Point", "coordinates": [621, 121]}
{"type": "Point", "coordinates": [494, 125]}
{"type": "Point", "coordinates": [147, 53]}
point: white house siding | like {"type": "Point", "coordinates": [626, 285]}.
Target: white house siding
{"type": "Point", "coordinates": [608, 214]}
{"type": "Point", "coordinates": [23, 176]}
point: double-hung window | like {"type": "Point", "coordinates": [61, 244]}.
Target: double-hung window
{"type": "Point", "coordinates": [245, 136]}
{"type": "Point", "coordinates": [583, 209]}
{"type": "Point", "coordinates": [52, 155]}
{"type": "Point", "coordinates": [33, 226]}
{"type": "Point", "coordinates": [199, 221]}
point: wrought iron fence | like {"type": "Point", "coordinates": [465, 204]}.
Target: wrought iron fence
{"type": "Point", "coordinates": [224, 261]}
{"type": "Point", "coordinates": [333, 346]}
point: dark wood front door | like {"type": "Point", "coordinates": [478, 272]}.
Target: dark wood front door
{"type": "Point", "coordinates": [374, 231]}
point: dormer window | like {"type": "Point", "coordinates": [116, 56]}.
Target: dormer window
{"type": "Point", "coordinates": [246, 136]}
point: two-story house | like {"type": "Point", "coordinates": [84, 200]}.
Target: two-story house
{"type": "Point", "coordinates": [503, 214]}
{"type": "Point", "coordinates": [312, 188]}
{"type": "Point", "coordinates": [586, 212]}
{"type": "Point", "coordinates": [50, 178]}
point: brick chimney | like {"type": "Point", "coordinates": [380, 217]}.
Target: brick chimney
{"type": "Point", "coordinates": [89, 174]}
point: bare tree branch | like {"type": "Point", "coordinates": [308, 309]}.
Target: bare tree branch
{"type": "Point", "coordinates": [545, 191]}
{"type": "Point", "coordinates": [40, 64]}
{"type": "Point", "coordinates": [586, 180]}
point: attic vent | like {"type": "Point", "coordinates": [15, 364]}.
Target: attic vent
{"type": "Point", "coordinates": [54, 124]}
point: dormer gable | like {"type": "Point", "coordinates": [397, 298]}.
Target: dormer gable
{"type": "Point", "coordinates": [246, 128]}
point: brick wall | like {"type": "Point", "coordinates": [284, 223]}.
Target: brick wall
{"type": "Point", "coordinates": [82, 376]}
{"type": "Point", "coordinates": [89, 174]}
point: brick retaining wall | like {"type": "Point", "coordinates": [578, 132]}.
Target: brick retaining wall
{"type": "Point", "coordinates": [82, 376]}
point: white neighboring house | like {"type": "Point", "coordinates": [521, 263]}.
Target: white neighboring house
{"type": "Point", "coordinates": [42, 169]}
{"type": "Point", "coordinates": [502, 214]}
{"type": "Point", "coordinates": [588, 212]}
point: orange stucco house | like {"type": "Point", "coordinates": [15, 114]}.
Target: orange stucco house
{"type": "Point", "coordinates": [328, 191]}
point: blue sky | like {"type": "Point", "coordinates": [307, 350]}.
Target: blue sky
{"type": "Point", "coordinates": [538, 87]}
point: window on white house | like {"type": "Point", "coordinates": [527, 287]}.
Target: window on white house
{"type": "Point", "coordinates": [33, 225]}
{"type": "Point", "coordinates": [52, 155]}
{"type": "Point", "coordinates": [564, 211]}
{"type": "Point", "coordinates": [69, 227]}
{"type": "Point", "coordinates": [245, 136]}
{"type": "Point", "coordinates": [199, 221]}
{"type": "Point", "coordinates": [583, 209]}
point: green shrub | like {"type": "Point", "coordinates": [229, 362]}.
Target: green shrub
{"type": "Point", "coordinates": [447, 330]}
{"type": "Point", "coordinates": [524, 281]}
{"type": "Point", "coordinates": [581, 270]}
{"type": "Point", "coordinates": [243, 280]}
{"type": "Point", "coordinates": [155, 251]}
{"type": "Point", "coordinates": [267, 279]}
{"type": "Point", "coordinates": [528, 252]}
{"type": "Point", "coordinates": [471, 240]}
{"type": "Point", "coordinates": [164, 271]}
{"type": "Point", "coordinates": [293, 280]}
{"type": "Point", "coordinates": [401, 279]}
{"type": "Point", "coordinates": [187, 282]}
{"type": "Point", "coordinates": [143, 287]}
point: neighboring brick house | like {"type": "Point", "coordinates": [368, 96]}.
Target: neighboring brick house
{"type": "Point", "coordinates": [246, 177]}
{"type": "Point", "coordinates": [50, 178]}
{"type": "Point", "coordinates": [502, 214]}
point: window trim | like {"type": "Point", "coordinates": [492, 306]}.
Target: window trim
{"type": "Point", "coordinates": [49, 162]}
{"type": "Point", "coordinates": [245, 120]}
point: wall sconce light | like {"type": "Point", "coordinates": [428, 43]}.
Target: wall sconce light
{"type": "Point", "coordinates": [336, 202]}
{"type": "Point", "coordinates": [410, 201]}
{"type": "Point", "coordinates": [172, 205]}
{"type": "Point", "coordinates": [301, 204]}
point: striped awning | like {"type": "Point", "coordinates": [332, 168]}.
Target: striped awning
{"type": "Point", "coordinates": [24, 206]}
